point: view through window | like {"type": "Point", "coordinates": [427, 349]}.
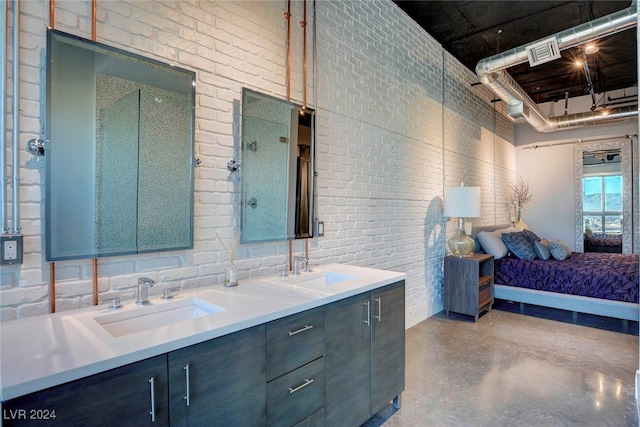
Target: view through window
{"type": "Point", "coordinates": [602, 203]}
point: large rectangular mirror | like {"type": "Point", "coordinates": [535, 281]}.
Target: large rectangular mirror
{"type": "Point", "coordinates": [603, 182]}
{"type": "Point", "coordinates": [119, 153]}
{"type": "Point", "coordinates": [277, 169]}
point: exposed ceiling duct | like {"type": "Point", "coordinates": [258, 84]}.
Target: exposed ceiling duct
{"type": "Point", "coordinates": [520, 106]}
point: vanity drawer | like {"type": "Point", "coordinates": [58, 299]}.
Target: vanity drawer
{"type": "Point", "coordinates": [294, 341]}
{"type": "Point", "coordinates": [314, 420]}
{"type": "Point", "coordinates": [296, 395]}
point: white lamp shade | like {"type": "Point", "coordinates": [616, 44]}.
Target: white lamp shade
{"type": "Point", "coordinates": [462, 202]}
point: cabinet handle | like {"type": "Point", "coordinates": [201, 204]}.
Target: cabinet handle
{"type": "Point", "coordinates": [379, 316]}
{"type": "Point", "coordinates": [301, 386]}
{"type": "Point", "coordinates": [186, 381]}
{"type": "Point", "coordinates": [304, 328]}
{"type": "Point", "coordinates": [152, 412]}
{"type": "Point", "coordinates": [368, 321]}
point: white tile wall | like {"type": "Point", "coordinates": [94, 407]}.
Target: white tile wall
{"type": "Point", "coordinates": [397, 120]}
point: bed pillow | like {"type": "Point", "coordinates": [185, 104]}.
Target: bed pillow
{"type": "Point", "coordinates": [519, 245]}
{"type": "Point", "coordinates": [559, 250]}
{"type": "Point", "coordinates": [492, 243]}
{"type": "Point", "coordinates": [542, 249]}
{"type": "Point", "coordinates": [531, 236]}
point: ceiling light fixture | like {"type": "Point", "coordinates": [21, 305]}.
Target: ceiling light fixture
{"type": "Point", "coordinates": [591, 48]}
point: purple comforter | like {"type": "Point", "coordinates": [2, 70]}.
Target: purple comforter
{"type": "Point", "coordinates": [598, 275]}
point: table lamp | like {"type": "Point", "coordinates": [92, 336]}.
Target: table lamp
{"type": "Point", "coordinates": [461, 202]}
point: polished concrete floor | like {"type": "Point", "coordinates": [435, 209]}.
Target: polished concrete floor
{"type": "Point", "coordinates": [510, 369]}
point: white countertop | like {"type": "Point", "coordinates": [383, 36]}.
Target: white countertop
{"type": "Point", "coordinates": [44, 351]}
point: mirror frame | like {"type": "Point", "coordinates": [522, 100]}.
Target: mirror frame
{"type": "Point", "coordinates": [624, 145]}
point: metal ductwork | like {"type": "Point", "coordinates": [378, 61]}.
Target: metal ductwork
{"type": "Point", "coordinates": [520, 106]}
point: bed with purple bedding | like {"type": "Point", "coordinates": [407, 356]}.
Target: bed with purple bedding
{"type": "Point", "coordinates": [605, 284]}
{"type": "Point", "coordinates": [601, 275]}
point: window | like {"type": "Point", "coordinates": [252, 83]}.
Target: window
{"type": "Point", "coordinates": [602, 203]}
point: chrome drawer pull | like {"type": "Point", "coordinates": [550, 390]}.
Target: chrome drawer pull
{"type": "Point", "coordinates": [304, 328]}
{"type": "Point", "coordinates": [368, 321]}
{"type": "Point", "coordinates": [301, 386]}
{"type": "Point", "coordinates": [152, 412]}
{"type": "Point", "coordinates": [186, 380]}
{"type": "Point", "coordinates": [379, 316]}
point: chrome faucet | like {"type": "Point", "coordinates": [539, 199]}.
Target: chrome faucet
{"type": "Point", "coordinates": [304, 260]}
{"type": "Point", "coordinates": [142, 290]}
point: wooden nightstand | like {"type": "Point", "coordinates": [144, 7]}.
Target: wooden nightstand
{"type": "Point", "coordinates": [468, 284]}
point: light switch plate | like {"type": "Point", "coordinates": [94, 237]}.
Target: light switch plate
{"type": "Point", "coordinates": [10, 249]}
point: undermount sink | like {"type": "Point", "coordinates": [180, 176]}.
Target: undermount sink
{"type": "Point", "coordinates": [155, 316]}
{"type": "Point", "coordinates": [311, 280]}
{"type": "Point", "coordinates": [326, 279]}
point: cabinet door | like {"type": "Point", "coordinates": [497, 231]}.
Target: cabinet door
{"type": "Point", "coordinates": [348, 361]}
{"type": "Point", "coordinates": [122, 396]}
{"type": "Point", "coordinates": [226, 381]}
{"type": "Point", "coordinates": [388, 345]}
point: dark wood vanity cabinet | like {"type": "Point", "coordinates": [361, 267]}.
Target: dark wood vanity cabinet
{"type": "Point", "coordinates": [334, 365]}
{"type": "Point", "coordinates": [221, 382]}
{"type": "Point", "coordinates": [364, 354]}
{"type": "Point", "coordinates": [132, 395]}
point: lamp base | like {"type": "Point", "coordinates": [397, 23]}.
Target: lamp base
{"type": "Point", "coordinates": [460, 244]}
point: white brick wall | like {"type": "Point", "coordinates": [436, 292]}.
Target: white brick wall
{"type": "Point", "coordinates": [397, 120]}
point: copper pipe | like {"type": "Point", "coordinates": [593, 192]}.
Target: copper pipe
{"type": "Point", "coordinates": [306, 249]}
{"type": "Point", "coordinates": [52, 287]}
{"type": "Point", "coordinates": [287, 16]}
{"type": "Point", "coordinates": [52, 21]}
{"type": "Point", "coordinates": [303, 24]}
{"type": "Point", "coordinates": [95, 281]}
{"type": "Point", "coordinates": [94, 5]}
{"type": "Point", "coordinates": [290, 255]}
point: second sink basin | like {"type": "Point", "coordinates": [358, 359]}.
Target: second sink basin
{"type": "Point", "coordinates": [311, 280]}
{"type": "Point", "coordinates": [326, 279]}
{"type": "Point", "coordinates": [155, 316]}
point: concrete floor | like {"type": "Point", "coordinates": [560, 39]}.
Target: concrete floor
{"type": "Point", "coordinates": [510, 369]}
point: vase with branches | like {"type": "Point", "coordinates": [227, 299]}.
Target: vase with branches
{"type": "Point", "coordinates": [520, 196]}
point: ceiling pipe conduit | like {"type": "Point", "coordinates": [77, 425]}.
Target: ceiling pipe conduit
{"type": "Point", "coordinates": [492, 74]}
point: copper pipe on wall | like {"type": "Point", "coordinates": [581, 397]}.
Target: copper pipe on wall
{"type": "Point", "coordinates": [52, 287]}
{"type": "Point", "coordinates": [290, 255]}
{"type": "Point", "coordinates": [303, 24]}
{"type": "Point", "coordinates": [94, 4]}
{"type": "Point", "coordinates": [287, 16]}
{"type": "Point", "coordinates": [51, 10]}
{"type": "Point", "coordinates": [95, 281]}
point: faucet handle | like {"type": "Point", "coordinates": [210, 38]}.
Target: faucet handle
{"type": "Point", "coordinates": [146, 281]}
{"type": "Point", "coordinates": [166, 294]}
{"type": "Point", "coordinates": [115, 302]}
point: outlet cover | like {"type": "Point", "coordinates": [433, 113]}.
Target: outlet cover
{"type": "Point", "coordinates": [10, 249]}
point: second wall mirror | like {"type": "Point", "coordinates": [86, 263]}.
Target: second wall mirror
{"type": "Point", "coordinates": [277, 169]}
